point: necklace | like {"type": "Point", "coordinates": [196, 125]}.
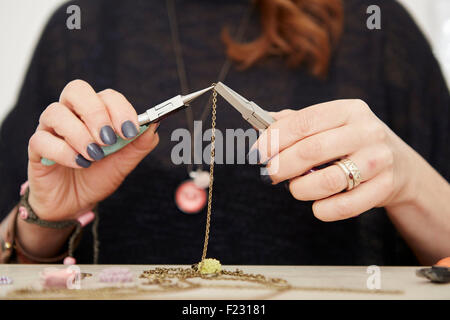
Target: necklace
{"type": "Point", "coordinates": [207, 268]}
{"type": "Point", "coordinates": [191, 198]}
{"type": "Point", "coordinates": [190, 195]}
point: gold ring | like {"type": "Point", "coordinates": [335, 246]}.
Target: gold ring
{"type": "Point", "coordinates": [352, 173]}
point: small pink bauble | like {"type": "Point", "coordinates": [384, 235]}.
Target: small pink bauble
{"type": "Point", "coordinates": [69, 261]}
{"type": "Point", "coordinates": [23, 187]}
{"type": "Point", "coordinates": [190, 198]}
{"type": "Point", "coordinates": [23, 213]}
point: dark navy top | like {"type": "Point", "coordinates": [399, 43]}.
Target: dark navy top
{"type": "Point", "coordinates": [126, 45]}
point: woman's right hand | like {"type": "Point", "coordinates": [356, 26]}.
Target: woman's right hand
{"type": "Point", "coordinates": [70, 132]}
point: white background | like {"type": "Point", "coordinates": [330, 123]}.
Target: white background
{"type": "Point", "coordinates": [21, 22]}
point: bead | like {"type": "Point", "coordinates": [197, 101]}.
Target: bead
{"type": "Point", "coordinates": [201, 179]}
{"type": "Point", "coordinates": [5, 280]}
{"type": "Point", "coordinates": [59, 278]}
{"type": "Point", "coordinates": [209, 266]}
{"type": "Point", "coordinates": [86, 218]}
{"type": "Point", "coordinates": [8, 245]}
{"type": "Point", "coordinates": [190, 198]}
{"type": "Point", "coordinates": [23, 213]}
{"type": "Point", "coordinates": [23, 187]}
{"type": "Point", "coordinates": [69, 260]}
{"type": "Point", "coordinates": [115, 274]}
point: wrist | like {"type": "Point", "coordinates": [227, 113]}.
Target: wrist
{"type": "Point", "coordinates": [39, 241]}
{"type": "Point", "coordinates": [422, 184]}
{"type": "Point", "coordinates": [51, 213]}
{"type": "Point", "coordinates": [42, 212]}
{"type": "Point", "coordinates": [408, 172]}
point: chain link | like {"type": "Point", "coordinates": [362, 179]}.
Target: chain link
{"type": "Point", "coordinates": [211, 171]}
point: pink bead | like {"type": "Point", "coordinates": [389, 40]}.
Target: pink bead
{"type": "Point", "coordinates": [69, 261]}
{"type": "Point", "coordinates": [23, 187]}
{"type": "Point", "coordinates": [59, 278]}
{"type": "Point", "coordinates": [116, 274]}
{"type": "Point", "coordinates": [23, 213]}
{"type": "Point", "coordinates": [86, 218]}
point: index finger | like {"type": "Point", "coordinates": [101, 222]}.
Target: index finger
{"type": "Point", "coordinates": [301, 124]}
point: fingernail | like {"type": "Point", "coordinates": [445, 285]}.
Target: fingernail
{"type": "Point", "coordinates": [108, 135]}
{"type": "Point", "coordinates": [82, 161]}
{"type": "Point", "coordinates": [129, 129]}
{"type": "Point", "coordinates": [264, 174]}
{"type": "Point", "coordinates": [95, 152]}
{"type": "Point", "coordinates": [253, 157]}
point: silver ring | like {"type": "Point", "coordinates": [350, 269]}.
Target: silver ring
{"type": "Point", "coordinates": [352, 173]}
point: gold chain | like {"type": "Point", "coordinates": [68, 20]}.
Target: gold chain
{"type": "Point", "coordinates": [164, 277]}
{"type": "Point", "coordinates": [211, 171]}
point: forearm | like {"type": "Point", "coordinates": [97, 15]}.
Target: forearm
{"type": "Point", "coordinates": [424, 221]}
{"type": "Point", "coordinates": [33, 239]}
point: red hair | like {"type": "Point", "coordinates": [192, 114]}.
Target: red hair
{"type": "Point", "coordinates": [303, 31]}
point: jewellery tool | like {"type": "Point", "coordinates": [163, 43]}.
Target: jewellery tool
{"type": "Point", "coordinates": [152, 115]}
{"type": "Point", "coordinates": [250, 111]}
{"type": "Point", "coordinates": [166, 108]}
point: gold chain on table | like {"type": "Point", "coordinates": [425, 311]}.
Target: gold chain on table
{"type": "Point", "coordinates": [211, 171]}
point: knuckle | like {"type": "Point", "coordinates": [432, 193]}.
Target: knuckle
{"type": "Point", "coordinates": [377, 131]}
{"type": "Point", "coordinates": [387, 183]}
{"type": "Point", "coordinates": [343, 208]}
{"type": "Point", "coordinates": [388, 156]}
{"type": "Point", "coordinates": [71, 90]}
{"type": "Point", "coordinates": [110, 93]}
{"type": "Point", "coordinates": [360, 105]}
{"type": "Point", "coordinates": [33, 141]}
{"type": "Point", "coordinates": [331, 182]}
{"type": "Point", "coordinates": [76, 85]}
{"type": "Point", "coordinates": [48, 115]}
{"type": "Point", "coordinates": [310, 150]}
{"type": "Point", "coordinates": [95, 115]}
{"type": "Point", "coordinates": [301, 123]}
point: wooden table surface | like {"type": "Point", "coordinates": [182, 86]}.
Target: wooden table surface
{"type": "Point", "coordinates": [307, 282]}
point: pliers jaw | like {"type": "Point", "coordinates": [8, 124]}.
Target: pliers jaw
{"type": "Point", "coordinates": [166, 108]}
{"type": "Point", "coordinates": [250, 111]}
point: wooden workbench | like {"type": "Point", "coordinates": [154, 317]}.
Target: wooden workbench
{"type": "Point", "coordinates": [308, 282]}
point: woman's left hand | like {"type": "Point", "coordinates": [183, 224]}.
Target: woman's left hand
{"type": "Point", "coordinates": [331, 131]}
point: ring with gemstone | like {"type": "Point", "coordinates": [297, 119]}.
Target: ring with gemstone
{"type": "Point", "coordinates": [352, 173]}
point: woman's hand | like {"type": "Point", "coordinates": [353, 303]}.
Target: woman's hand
{"type": "Point", "coordinates": [70, 132]}
{"type": "Point", "coordinates": [329, 131]}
